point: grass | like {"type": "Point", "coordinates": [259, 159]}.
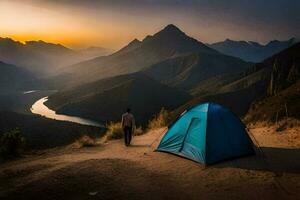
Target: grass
{"type": "Point", "coordinates": [162, 119]}
{"type": "Point", "coordinates": [86, 141]}
{"type": "Point", "coordinates": [12, 143]}
{"type": "Point", "coordinates": [114, 131]}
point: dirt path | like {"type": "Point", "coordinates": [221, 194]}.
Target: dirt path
{"type": "Point", "coordinates": [113, 171]}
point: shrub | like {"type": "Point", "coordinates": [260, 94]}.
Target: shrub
{"type": "Point", "coordinates": [86, 141]}
{"type": "Point", "coordinates": [114, 131]}
{"type": "Point", "coordinates": [12, 143]}
{"type": "Point", "coordinates": [159, 120]}
{"type": "Point", "coordinates": [138, 131]}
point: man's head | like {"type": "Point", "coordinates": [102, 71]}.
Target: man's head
{"type": "Point", "coordinates": [128, 110]}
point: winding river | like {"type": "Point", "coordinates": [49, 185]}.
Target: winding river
{"type": "Point", "coordinates": [40, 108]}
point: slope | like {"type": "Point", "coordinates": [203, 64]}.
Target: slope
{"type": "Point", "coordinates": [189, 71]}
{"type": "Point", "coordinates": [137, 55]}
{"type": "Point", "coordinates": [14, 78]}
{"type": "Point", "coordinates": [43, 133]}
{"type": "Point", "coordinates": [107, 99]}
{"type": "Point", "coordinates": [251, 51]}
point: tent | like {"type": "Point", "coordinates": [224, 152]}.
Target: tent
{"type": "Point", "coordinates": [207, 133]}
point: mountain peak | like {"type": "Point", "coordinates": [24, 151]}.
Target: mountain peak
{"type": "Point", "coordinates": [131, 46]}
{"type": "Point", "coordinates": [171, 28]}
{"type": "Point", "coordinates": [135, 41]}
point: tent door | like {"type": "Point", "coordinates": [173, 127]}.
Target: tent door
{"type": "Point", "coordinates": [191, 130]}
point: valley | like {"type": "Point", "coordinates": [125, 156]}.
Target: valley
{"type": "Point", "coordinates": [149, 99]}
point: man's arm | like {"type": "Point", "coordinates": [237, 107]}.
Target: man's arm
{"type": "Point", "coordinates": [122, 121]}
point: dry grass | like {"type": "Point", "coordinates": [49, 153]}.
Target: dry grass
{"type": "Point", "coordinates": [85, 141]}
{"type": "Point", "coordinates": [281, 125]}
{"type": "Point", "coordinates": [114, 131]}
{"type": "Point", "coordinates": [160, 120]}
{"type": "Point", "coordinates": [139, 131]}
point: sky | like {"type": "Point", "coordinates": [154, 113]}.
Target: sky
{"type": "Point", "coordinates": [114, 23]}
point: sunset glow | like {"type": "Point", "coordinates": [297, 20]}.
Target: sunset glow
{"type": "Point", "coordinates": [78, 24]}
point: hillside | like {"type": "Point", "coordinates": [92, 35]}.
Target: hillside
{"type": "Point", "coordinates": [107, 99]}
{"type": "Point", "coordinates": [159, 71]}
{"type": "Point", "coordinates": [277, 72]}
{"type": "Point", "coordinates": [252, 51]}
{"type": "Point", "coordinates": [43, 58]}
{"type": "Point", "coordinates": [14, 78]}
{"type": "Point", "coordinates": [169, 45]}
{"type": "Point", "coordinates": [260, 81]}
{"type": "Point", "coordinates": [275, 108]}
{"type": "Point", "coordinates": [43, 133]}
{"type": "Point", "coordinates": [188, 71]}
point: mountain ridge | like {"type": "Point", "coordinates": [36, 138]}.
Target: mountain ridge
{"type": "Point", "coordinates": [252, 51]}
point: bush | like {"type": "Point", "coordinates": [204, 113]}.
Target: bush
{"type": "Point", "coordinates": [86, 141]}
{"type": "Point", "coordinates": [160, 120]}
{"type": "Point", "coordinates": [114, 131]}
{"type": "Point", "coordinates": [12, 143]}
{"type": "Point", "coordinates": [138, 131]}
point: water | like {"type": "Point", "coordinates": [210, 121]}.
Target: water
{"type": "Point", "coordinates": [41, 109]}
{"type": "Point", "coordinates": [30, 91]}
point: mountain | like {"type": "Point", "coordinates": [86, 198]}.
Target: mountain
{"type": "Point", "coordinates": [39, 57]}
{"type": "Point", "coordinates": [42, 58]}
{"type": "Point", "coordinates": [93, 52]}
{"type": "Point", "coordinates": [107, 99]}
{"type": "Point", "coordinates": [137, 55]}
{"type": "Point", "coordinates": [251, 51]}
{"type": "Point", "coordinates": [14, 78]}
{"type": "Point", "coordinates": [160, 71]}
{"type": "Point", "coordinates": [282, 76]}
{"type": "Point", "coordinates": [277, 72]}
{"type": "Point", "coordinates": [188, 72]}
{"type": "Point", "coordinates": [257, 88]}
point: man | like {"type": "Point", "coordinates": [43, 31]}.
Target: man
{"type": "Point", "coordinates": [128, 124]}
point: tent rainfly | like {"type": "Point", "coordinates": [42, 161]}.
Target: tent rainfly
{"type": "Point", "coordinates": [208, 133]}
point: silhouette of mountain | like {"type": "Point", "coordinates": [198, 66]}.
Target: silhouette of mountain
{"type": "Point", "coordinates": [252, 51]}
{"type": "Point", "coordinates": [151, 72]}
{"type": "Point", "coordinates": [42, 58]}
{"type": "Point", "coordinates": [106, 99]}
{"type": "Point", "coordinates": [168, 45]}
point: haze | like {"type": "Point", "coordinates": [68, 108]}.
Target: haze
{"type": "Point", "coordinates": [113, 24]}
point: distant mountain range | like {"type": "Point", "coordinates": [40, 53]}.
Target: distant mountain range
{"type": "Point", "coordinates": [42, 58]}
{"type": "Point", "coordinates": [168, 46]}
{"type": "Point", "coordinates": [168, 69]}
{"type": "Point", "coordinates": [252, 51]}
{"type": "Point", "coordinates": [163, 70]}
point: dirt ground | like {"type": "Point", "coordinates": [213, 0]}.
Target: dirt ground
{"type": "Point", "coordinates": [113, 171]}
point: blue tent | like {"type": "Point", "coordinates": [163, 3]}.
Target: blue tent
{"type": "Point", "coordinates": [207, 133]}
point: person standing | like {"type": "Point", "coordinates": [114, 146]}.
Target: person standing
{"type": "Point", "coordinates": [128, 124]}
